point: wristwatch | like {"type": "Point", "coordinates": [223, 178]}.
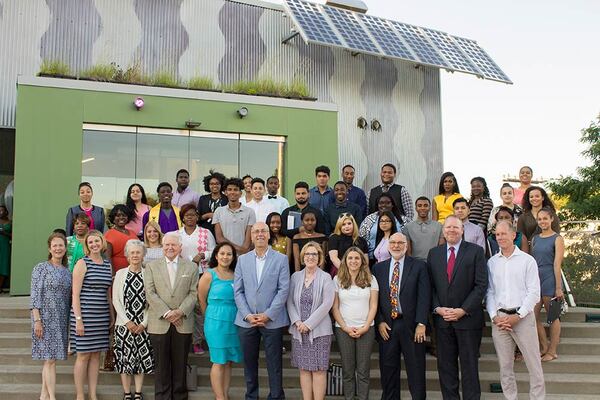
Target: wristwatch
{"type": "Point", "coordinates": [78, 318]}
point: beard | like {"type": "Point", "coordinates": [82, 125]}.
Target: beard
{"type": "Point", "coordinates": [302, 201]}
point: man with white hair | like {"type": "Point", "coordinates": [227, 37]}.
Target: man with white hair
{"type": "Point", "coordinates": [513, 291]}
{"type": "Point", "coordinates": [171, 294]}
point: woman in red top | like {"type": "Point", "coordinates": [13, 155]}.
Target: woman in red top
{"type": "Point", "coordinates": [118, 235]}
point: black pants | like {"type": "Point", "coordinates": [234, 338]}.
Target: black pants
{"type": "Point", "coordinates": [401, 341]}
{"type": "Point", "coordinates": [273, 343]}
{"type": "Point", "coordinates": [453, 344]}
{"type": "Point", "coordinates": [171, 355]}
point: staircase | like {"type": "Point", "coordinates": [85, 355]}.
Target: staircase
{"type": "Point", "coordinates": [574, 375]}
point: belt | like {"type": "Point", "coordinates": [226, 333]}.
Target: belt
{"type": "Point", "coordinates": [509, 311]}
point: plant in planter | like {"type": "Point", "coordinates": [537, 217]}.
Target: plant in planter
{"type": "Point", "coordinates": [101, 72]}
{"type": "Point", "coordinates": [201, 83]}
{"type": "Point", "coordinates": [164, 79]}
{"type": "Point", "coordinates": [132, 74]}
{"type": "Point", "coordinates": [55, 68]}
{"type": "Point", "coordinates": [297, 89]}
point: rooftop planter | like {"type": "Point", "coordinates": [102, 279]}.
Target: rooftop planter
{"type": "Point", "coordinates": [132, 75]}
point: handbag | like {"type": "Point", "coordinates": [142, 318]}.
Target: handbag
{"type": "Point", "coordinates": [335, 386]}
{"type": "Point", "coordinates": [109, 356]}
{"type": "Point", "coordinates": [191, 373]}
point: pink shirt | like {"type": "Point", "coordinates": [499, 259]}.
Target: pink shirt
{"type": "Point", "coordinates": [136, 226]}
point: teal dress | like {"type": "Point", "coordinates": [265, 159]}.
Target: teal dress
{"type": "Point", "coordinates": [219, 329]}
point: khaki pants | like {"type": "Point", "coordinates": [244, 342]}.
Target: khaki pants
{"type": "Point", "coordinates": [525, 336]}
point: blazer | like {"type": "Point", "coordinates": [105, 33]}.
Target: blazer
{"type": "Point", "coordinates": [161, 297]}
{"type": "Point", "coordinates": [415, 292]}
{"type": "Point", "coordinates": [395, 191]}
{"type": "Point", "coordinates": [466, 289]}
{"type": "Point", "coordinates": [204, 207]}
{"type": "Point", "coordinates": [97, 216]}
{"type": "Point", "coordinates": [118, 298]}
{"type": "Point", "coordinates": [268, 296]}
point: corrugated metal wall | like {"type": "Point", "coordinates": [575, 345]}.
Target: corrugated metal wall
{"type": "Point", "coordinates": [230, 41]}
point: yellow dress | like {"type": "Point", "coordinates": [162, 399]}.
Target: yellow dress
{"type": "Point", "coordinates": [280, 245]}
{"type": "Point", "coordinates": [444, 206]}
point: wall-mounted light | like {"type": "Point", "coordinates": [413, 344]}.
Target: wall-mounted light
{"type": "Point", "coordinates": [362, 123]}
{"type": "Point", "coordinates": [138, 103]}
{"type": "Point", "coordinates": [242, 112]}
{"type": "Point", "coordinates": [375, 125]}
{"type": "Point", "coordinates": [192, 124]}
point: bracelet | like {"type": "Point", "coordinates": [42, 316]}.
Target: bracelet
{"type": "Point", "coordinates": [37, 320]}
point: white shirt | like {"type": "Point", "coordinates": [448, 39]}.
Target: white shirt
{"type": "Point", "coordinates": [400, 270]}
{"type": "Point", "coordinates": [260, 265]}
{"type": "Point", "coordinates": [355, 302]}
{"type": "Point", "coordinates": [172, 269]}
{"type": "Point", "coordinates": [514, 283]}
{"type": "Point", "coordinates": [279, 202]}
{"type": "Point", "coordinates": [262, 208]}
{"type": "Point", "coordinates": [190, 244]}
{"type": "Point", "coordinates": [456, 247]}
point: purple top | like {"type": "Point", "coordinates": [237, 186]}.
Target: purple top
{"type": "Point", "coordinates": [167, 223]}
{"type": "Point", "coordinates": [188, 196]}
{"type": "Point", "coordinates": [382, 251]}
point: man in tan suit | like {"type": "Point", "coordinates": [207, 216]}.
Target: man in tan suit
{"type": "Point", "coordinates": [171, 293]}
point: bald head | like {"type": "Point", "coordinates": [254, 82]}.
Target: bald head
{"type": "Point", "coordinates": [260, 235]}
{"type": "Point", "coordinates": [453, 229]}
{"type": "Point", "coordinates": [397, 245]}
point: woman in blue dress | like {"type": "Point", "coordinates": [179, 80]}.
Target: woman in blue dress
{"type": "Point", "coordinates": [50, 304]}
{"type": "Point", "coordinates": [215, 295]}
{"type": "Point", "coordinates": [91, 314]}
{"type": "Point", "coordinates": [548, 249]}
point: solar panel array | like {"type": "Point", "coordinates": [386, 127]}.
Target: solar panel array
{"type": "Point", "coordinates": [361, 33]}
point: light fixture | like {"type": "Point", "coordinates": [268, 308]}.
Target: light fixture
{"type": "Point", "coordinates": [362, 123]}
{"type": "Point", "coordinates": [86, 160]}
{"type": "Point", "coordinates": [242, 112]}
{"type": "Point", "coordinates": [192, 124]}
{"type": "Point", "coordinates": [375, 125]}
{"type": "Point", "coordinates": [138, 103]}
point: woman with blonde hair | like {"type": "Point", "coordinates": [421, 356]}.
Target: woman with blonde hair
{"type": "Point", "coordinates": [345, 235]}
{"type": "Point", "coordinates": [91, 314]}
{"type": "Point", "coordinates": [153, 242]}
{"type": "Point", "coordinates": [354, 309]}
{"type": "Point", "coordinates": [308, 304]}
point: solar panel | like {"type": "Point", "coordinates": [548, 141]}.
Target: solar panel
{"type": "Point", "coordinates": [312, 23]}
{"type": "Point", "coordinates": [387, 39]}
{"type": "Point", "coordinates": [480, 58]}
{"type": "Point", "coordinates": [353, 33]}
{"type": "Point", "coordinates": [450, 51]}
{"type": "Point", "coordinates": [357, 32]}
{"type": "Point", "coordinates": [419, 44]}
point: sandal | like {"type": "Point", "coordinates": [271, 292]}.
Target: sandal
{"type": "Point", "coordinates": [549, 357]}
{"type": "Point", "coordinates": [127, 396]}
{"type": "Point", "coordinates": [138, 396]}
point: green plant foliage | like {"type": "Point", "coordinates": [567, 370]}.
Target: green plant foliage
{"type": "Point", "coordinates": [101, 72]}
{"type": "Point", "coordinates": [54, 67]}
{"type": "Point", "coordinates": [165, 79]}
{"type": "Point", "coordinates": [298, 88]}
{"type": "Point", "coordinates": [201, 83]}
{"type": "Point", "coordinates": [269, 87]}
{"type": "Point", "coordinates": [582, 192]}
{"type": "Point", "coordinates": [581, 266]}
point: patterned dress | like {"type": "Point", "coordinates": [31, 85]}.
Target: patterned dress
{"type": "Point", "coordinates": [51, 294]}
{"type": "Point", "coordinates": [94, 309]}
{"type": "Point", "coordinates": [306, 355]}
{"type": "Point", "coordinates": [133, 353]}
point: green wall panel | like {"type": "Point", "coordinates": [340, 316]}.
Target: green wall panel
{"type": "Point", "coordinates": [49, 144]}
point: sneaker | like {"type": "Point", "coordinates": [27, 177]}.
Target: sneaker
{"type": "Point", "coordinates": [198, 350]}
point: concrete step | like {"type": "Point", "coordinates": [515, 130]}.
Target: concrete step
{"type": "Point", "coordinates": [555, 383]}
{"type": "Point", "coordinates": [576, 364]}
{"type": "Point", "coordinates": [112, 392]}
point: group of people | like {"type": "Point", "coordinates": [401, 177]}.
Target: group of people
{"type": "Point", "coordinates": [238, 266]}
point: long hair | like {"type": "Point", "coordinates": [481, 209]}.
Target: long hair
{"type": "Point", "coordinates": [546, 201]}
{"type": "Point", "coordinates": [213, 263]}
{"type": "Point", "coordinates": [486, 191]}
{"type": "Point", "coordinates": [380, 234]}
{"type": "Point", "coordinates": [338, 226]}
{"type": "Point", "coordinates": [395, 209]}
{"type": "Point", "coordinates": [129, 202]}
{"type": "Point", "coordinates": [363, 278]}
{"type": "Point", "coordinates": [441, 185]}
{"type": "Point", "coordinates": [156, 226]}
{"type": "Point", "coordinates": [272, 235]}
{"type": "Point", "coordinates": [65, 259]}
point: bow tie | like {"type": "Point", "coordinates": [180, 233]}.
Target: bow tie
{"type": "Point", "coordinates": [272, 197]}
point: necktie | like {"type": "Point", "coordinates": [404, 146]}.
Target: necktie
{"type": "Point", "coordinates": [385, 188]}
{"type": "Point", "coordinates": [394, 290]}
{"type": "Point", "coordinates": [451, 261]}
{"type": "Point", "coordinates": [272, 197]}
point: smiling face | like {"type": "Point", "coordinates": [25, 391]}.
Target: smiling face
{"type": "Point", "coordinates": [225, 256]}
{"type": "Point", "coordinates": [536, 198]}
{"type": "Point", "coordinates": [135, 255]}
{"type": "Point", "coordinates": [190, 218]}
{"type": "Point", "coordinates": [340, 191]}
{"type": "Point", "coordinates": [397, 245]}
{"type": "Point", "coordinates": [507, 195]}
{"type": "Point", "coordinates": [347, 227]}
{"type": "Point", "coordinates": [385, 223]}
{"type": "Point", "coordinates": [135, 194]}
{"type": "Point", "coordinates": [348, 175]}
{"type": "Point", "coordinates": [80, 228]}
{"type": "Point", "coordinates": [453, 229]}
{"type": "Point", "coordinates": [214, 185]}
{"type": "Point", "coordinates": [57, 248]}
{"type": "Point", "coordinates": [120, 219]}
{"type": "Point", "coordinates": [384, 204]}
{"type": "Point", "coordinates": [85, 194]}
{"type": "Point", "coordinates": [260, 235]}
{"type": "Point", "coordinates": [275, 223]}
{"type": "Point", "coordinates": [387, 175]}
{"type": "Point", "coordinates": [309, 222]}
{"type": "Point", "coordinates": [505, 236]}
{"type": "Point", "coordinates": [152, 235]}
{"type": "Point", "coordinates": [94, 244]}
{"type": "Point", "coordinates": [354, 261]}
{"type": "Point", "coordinates": [258, 191]}
{"type": "Point", "coordinates": [171, 247]}
{"type": "Point", "coordinates": [301, 195]}
{"type": "Point", "coordinates": [423, 208]}
{"type": "Point", "coordinates": [247, 184]}
{"type": "Point", "coordinates": [165, 194]}
{"type": "Point", "coordinates": [504, 216]}
{"type": "Point", "coordinates": [476, 188]}
{"type": "Point", "coordinates": [311, 257]}
{"type": "Point", "coordinates": [544, 220]}
{"type": "Point", "coordinates": [525, 175]}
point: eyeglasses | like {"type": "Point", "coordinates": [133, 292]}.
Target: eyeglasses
{"type": "Point", "coordinates": [311, 254]}
{"type": "Point", "coordinates": [393, 243]}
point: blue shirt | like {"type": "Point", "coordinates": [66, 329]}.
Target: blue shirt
{"type": "Point", "coordinates": [321, 201]}
{"type": "Point", "coordinates": [357, 196]}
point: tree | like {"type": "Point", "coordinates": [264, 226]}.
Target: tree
{"type": "Point", "coordinates": [582, 192]}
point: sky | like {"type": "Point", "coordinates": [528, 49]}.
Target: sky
{"type": "Point", "coordinates": [549, 49]}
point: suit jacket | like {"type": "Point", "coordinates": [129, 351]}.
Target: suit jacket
{"type": "Point", "coordinates": [395, 191]}
{"type": "Point", "coordinates": [269, 296]}
{"type": "Point", "coordinates": [467, 287]}
{"type": "Point", "coordinates": [204, 207]}
{"type": "Point", "coordinates": [415, 292]}
{"type": "Point", "coordinates": [161, 297]}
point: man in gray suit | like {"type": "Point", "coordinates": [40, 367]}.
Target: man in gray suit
{"type": "Point", "coordinates": [170, 285]}
{"type": "Point", "coordinates": [261, 286]}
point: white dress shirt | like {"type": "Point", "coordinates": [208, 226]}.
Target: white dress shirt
{"type": "Point", "coordinates": [260, 265]}
{"type": "Point", "coordinates": [391, 275]}
{"type": "Point", "coordinates": [456, 247]}
{"type": "Point", "coordinates": [172, 269]}
{"type": "Point", "coordinates": [262, 208]}
{"type": "Point", "coordinates": [280, 203]}
{"type": "Point", "coordinates": [514, 283]}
